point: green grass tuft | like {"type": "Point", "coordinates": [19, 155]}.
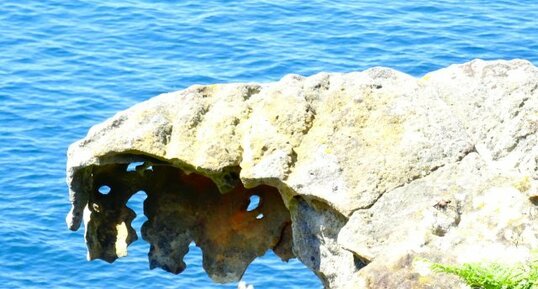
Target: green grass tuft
{"type": "Point", "coordinates": [494, 275]}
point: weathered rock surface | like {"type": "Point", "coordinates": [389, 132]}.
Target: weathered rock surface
{"type": "Point", "coordinates": [360, 175]}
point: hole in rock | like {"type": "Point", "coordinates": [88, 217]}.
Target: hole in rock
{"type": "Point", "coordinates": [132, 166]}
{"type": "Point", "coordinates": [254, 202]}
{"type": "Point", "coordinates": [182, 207]}
{"type": "Point", "coordinates": [359, 262]}
{"type": "Point", "coordinates": [104, 190]}
{"type": "Point", "coordinates": [136, 203]}
{"type": "Point", "coordinates": [138, 250]}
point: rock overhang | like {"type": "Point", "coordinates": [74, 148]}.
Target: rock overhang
{"type": "Point", "coordinates": [330, 146]}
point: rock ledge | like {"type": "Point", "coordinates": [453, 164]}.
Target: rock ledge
{"type": "Point", "coordinates": [359, 175]}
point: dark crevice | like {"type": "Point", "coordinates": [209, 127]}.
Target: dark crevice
{"type": "Point", "coordinates": [534, 200]}
{"type": "Point", "coordinates": [359, 261]}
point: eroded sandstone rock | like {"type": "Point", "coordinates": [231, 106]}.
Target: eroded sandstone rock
{"type": "Point", "coordinates": [361, 176]}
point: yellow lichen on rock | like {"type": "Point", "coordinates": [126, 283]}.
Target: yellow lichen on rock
{"type": "Point", "coordinates": [524, 184]}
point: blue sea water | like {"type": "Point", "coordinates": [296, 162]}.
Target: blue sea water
{"type": "Point", "coordinates": [67, 65]}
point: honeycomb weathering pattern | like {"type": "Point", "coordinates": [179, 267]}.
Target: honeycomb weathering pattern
{"type": "Point", "coordinates": [182, 208]}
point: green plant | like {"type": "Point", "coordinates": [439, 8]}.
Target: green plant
{"type": "Point", "coordinates": [494, 275]}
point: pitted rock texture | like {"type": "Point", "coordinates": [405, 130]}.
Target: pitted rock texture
{"type": "Point", "coordinates": [361, 176]}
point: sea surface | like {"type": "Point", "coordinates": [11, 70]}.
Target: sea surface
{"type": "Point", "coordinates": [67, 65]}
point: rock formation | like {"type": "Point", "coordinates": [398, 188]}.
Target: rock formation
{"type": "Point", "coordinates": [361, 176]}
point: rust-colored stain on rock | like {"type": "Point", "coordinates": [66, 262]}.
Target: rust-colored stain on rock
{"type": "Point", "coordinates": [182, 208]}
